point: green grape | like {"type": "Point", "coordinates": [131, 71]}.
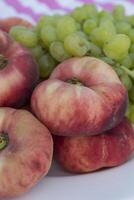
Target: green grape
{"type": "Point", "coordinates": [46, 65]}
{"type": "Point", "coordinates": [132, 60]}
{"type": "Point", "coordinates": [78, 26]}
{"type": "Point", "coordinates": [109, 26]}
{"type": "Point", "coordinates": [130, 113]}
{"type": "Point", "coordinates": [118, 12]}
{"type": "Point", "coordinates": [132, 48]}
{"type": "Point", "coordinates": [118, 70]}
{"type": "Point", "coordinates": [131, 35]}
{"type": "Point", "coordinates": [40, 24]}
{"type": "Point", "coordinates": [58, 52]}
{"type": "Point", "coordinates": [24, 36]}
{"type": "Point", "coordinates": [65, 26]}
{"type": "Point", "coordinates": [100, 35]}
{"type": "Point", "coordinates": [80, 14]}
{"type": "Point", "coordinates": [105, 16]}
{"type": "Point", "coordinates": [127, 62]}
{"type": "Point", "coordinates": [131, 94]}
{"type": "Point", "coordinates": [128, 109]}
{"type": "Point", "coordinates": [82, 34]}
{"type": "Point", "coordinates": [117, 47]}
{"type": "Point", "coordinates": [107, 60]}
{"type": "Point", "coordinates": [43, 21]}
{"type": "Point", "coordinates": [76, 45]}
{"type": "Point", "coordinates": [56, 18]}
{"type": "Point", "coordinates": [89, 25]}
{"type": "Point", "coordinates": [90, 10]}
{"type": "Point", "coordinates": [126, 81]}
{"type": "Point", "coordinates": [37, 52]}
{"type": "Point", "coordinates": [48, 35]}
{"type": "Point", "coordinates": [130, 19]}
{"type": "Point", "coordinates": [14, 30]}
{"type": "Point", "coordinates": [94, 50]}
{"type": "Point", "coordinates": [47, 20]}
{"type": "Point", "coordinates": [128, 72]}
{"type": "Point", "coordinates": [123, 27]}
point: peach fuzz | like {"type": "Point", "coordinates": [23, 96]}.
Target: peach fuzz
{"type": "Point", "coordinates": [18, 72]}
{"type": "Point", "coordinates": [86, 154]}
{"type": "Point", "coordinates": [83, 96]}
{"type": "Point", "coordinates": [26, 156]}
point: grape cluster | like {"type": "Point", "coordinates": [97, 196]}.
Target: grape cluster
{"type": "Point", "coordinates": [85, 31]}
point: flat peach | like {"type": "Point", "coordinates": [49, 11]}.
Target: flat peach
{"type": "Point", "coordinates": [90, 153]}
{"type": "Point", "coordinates": [26, 149]}
{"type": "Point", "coordinates": [83, 96]}
{"type": "Point", "coordinates": [19, 72]}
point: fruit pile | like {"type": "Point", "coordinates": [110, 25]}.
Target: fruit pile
{"type": "Point", "coordinates": [83, 105]}
{"type": "Point", "coordinates": [85, 31]}
{"type": "Point", "coordinates": [80, 107]}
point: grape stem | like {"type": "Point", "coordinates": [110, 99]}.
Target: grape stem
{"type": "Point", "coordinates": [128, 71]}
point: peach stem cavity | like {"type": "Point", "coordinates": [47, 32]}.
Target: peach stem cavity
{"type": "Point", "coordinates": [3, 141]}
{"type": "Point", "coordinates": [3, 61]}
{"type": "Point", "coordinates": [75, 81]}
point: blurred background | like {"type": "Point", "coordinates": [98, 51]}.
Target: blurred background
{"type": "Point", "coordinates": [33, 9]}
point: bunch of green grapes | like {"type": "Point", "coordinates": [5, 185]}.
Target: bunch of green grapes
{"type": "Point", "coordinates": [85, 31]}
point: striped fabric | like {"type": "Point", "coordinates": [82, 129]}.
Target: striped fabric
{"type": "Point", "coordinates": [33, 9]}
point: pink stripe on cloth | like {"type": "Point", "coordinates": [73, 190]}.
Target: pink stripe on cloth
{"type": "Point", "coordinates": [54, 5]}
{"type": "Point", "coordinates": [22, 9]}
{"type": "Point", "coordinates": [87, 1]}
{"type": "Point", "coordinates": [131, 1]}
{"type": "Point", "coordinates": [107, 6]}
